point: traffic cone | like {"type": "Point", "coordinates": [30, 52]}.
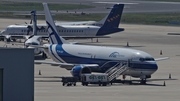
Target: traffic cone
{"type": "Point", "coordinates": [164, 83]}
{"type": "Point", "coordinates": [39, 72]}
{"type": "Point", "coordinates": [161, 52]}
{"type": "Point", "coordinates": [169, 76]}
{"type": "Point", "coordinates": [127, 44]}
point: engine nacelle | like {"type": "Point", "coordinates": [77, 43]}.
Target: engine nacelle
{"type": "Point", "coordinates": [78, 70]}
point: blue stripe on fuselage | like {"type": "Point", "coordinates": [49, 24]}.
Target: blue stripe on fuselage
{"type": "Point", "coordinates": [81, 60]}
{"type": "Point", "coordinates": [57, 38]}
{"type": "Point", "coordinates": [52, 52]}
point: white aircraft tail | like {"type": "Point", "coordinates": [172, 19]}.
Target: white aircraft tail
{"type": "Point", "coordinates": [33, 17]}
{"type": "Point", "coordinates": [53, 33]}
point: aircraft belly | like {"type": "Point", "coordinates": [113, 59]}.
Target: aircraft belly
{"type": "Point", "coordinates": [139, 72]}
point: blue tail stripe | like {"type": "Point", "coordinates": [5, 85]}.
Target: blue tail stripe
{"type": "Point", "coordinates": [53, 53]}
{"type": "Point", "coordinates": [57, 38]}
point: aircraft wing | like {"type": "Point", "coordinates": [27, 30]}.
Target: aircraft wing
{"type": "Point", "coordinates": [67, 66]}
{"type": "Point", "coordinates": [160, 59]}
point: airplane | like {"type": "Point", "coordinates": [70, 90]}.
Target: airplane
{"type": "Point", "coordinates": [33, 39]}
{"type": "Point", "coordinates": [110, 25]}
{"type": "Point", "coordinates": [87, 59]}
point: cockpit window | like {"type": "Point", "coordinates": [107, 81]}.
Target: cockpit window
{"type": "Point", "coordinates": [141, 59]}
{"type": "Point", "coordinates": [146, 59]}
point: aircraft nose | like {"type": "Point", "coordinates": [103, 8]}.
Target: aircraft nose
{"type": "Point", "coordinates": [151, 65]}
{"type": "Point", "coordinates": [155, 66]}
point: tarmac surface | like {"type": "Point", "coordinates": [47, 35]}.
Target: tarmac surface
{"type": "Point", "coordinates": [151, 39]}
{"type": "Point", "coordinates": [131, 6]}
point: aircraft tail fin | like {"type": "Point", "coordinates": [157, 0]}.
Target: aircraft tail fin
{"type": "Point", "coordinates": [53, 33]}
{"type": "Point", "coordinates": [34, 21]}
{"type": "Point", "coordinates": [114, 17]}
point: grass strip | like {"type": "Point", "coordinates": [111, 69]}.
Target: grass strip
{"type": "Point", "coordinates": [28, 6]}
{"type": "Point", "coordinates": [147, 19]}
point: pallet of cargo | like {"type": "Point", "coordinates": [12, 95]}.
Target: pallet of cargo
{"type": "Point", "coordinates": [69, 81]}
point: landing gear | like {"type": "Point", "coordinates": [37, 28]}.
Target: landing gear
{"type": "Point", "coordinates": [8, 40]}
{"type": "Point", "coordinates": [44, 55]}
{"type": "Point", "coordinates": [14, 40]}
{"type": "Point", "coordinates": [143, 81]}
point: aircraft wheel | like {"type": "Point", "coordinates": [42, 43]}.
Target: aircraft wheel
{"type": "Point", "coordinates": [143, 81]}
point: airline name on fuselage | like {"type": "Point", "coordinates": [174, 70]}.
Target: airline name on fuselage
{"type": "Point", "coordinates": [59, 51]}
{"type": "Point", "coordinates": [84, 53]}
{"type": "Point", "coordinates": [115, 55]}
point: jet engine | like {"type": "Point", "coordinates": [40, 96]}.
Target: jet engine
{"type": "Point", "coordinates": [79, 69]}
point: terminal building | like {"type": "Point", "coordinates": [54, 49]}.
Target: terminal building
{"type": "Point", "coordinates": [16, 74]}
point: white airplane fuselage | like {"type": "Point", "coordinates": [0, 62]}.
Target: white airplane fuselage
{"type": "Point", "coordinates": [141, 62]}
{"type": "Point", "coordinates": [67, 30]}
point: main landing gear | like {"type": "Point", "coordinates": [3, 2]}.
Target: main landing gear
{"type": "Point", "coordinates": [143, 81]}
{"type": "Point", "coordinates": [44, 55]}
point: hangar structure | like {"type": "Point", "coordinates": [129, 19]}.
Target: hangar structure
{"type": "Point", "coordinates": [16, 74]}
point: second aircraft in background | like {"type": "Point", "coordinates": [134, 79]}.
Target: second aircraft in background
{"type": "Point", "coordinates": [109, 25]}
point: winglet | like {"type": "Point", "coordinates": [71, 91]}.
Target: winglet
{"type": "Point", "coordinates": [53, 33]}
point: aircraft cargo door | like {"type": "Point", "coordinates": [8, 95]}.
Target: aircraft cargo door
{"type": "Point", "coordinates": [1, 84]}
